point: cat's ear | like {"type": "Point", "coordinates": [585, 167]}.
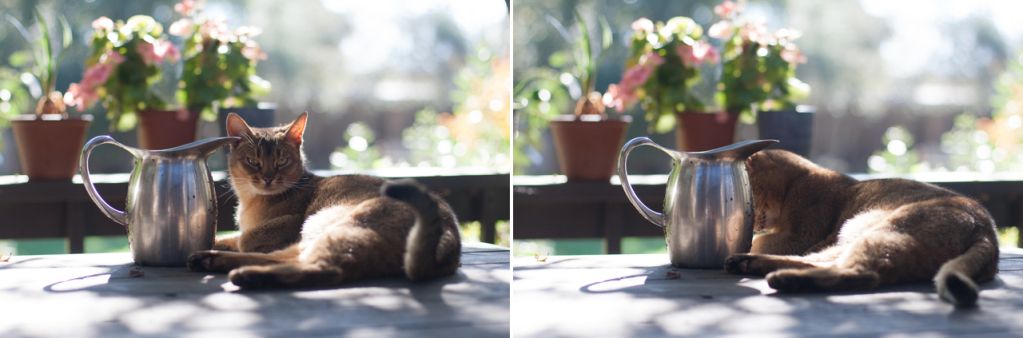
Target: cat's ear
{"type": "Point", "coordinates": [236, 126]}
{"type": "Point", "coordinates": [296, 129]}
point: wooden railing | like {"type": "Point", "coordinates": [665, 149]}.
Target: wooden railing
{"type": "Point", "coordinates": [63, 209]}
{"type": "Point", "coordinates": [548, 207]}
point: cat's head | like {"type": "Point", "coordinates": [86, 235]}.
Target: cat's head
{"type": "Point", "coordinates": [267, 161]}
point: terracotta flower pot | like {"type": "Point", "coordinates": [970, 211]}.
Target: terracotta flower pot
{"type": "Point", "coordinates": [702, 131]}
{"type": "Point", "coordinates": [588, 150]}
{"type": "Point", "coordinates": [793, 128]}
{"type": "Point", "coordinates": [162, 129]}
{"type": "Point", "coordinates": [49, 149]}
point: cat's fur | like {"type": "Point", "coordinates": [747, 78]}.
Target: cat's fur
{"type": "Point", "coordinates": [302, 230]}
{"type": "Point", "coordinates": [824, 231]}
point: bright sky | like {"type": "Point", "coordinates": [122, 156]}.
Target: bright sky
{"type": "Point", "coordinates": [376, 35]}
{"type": "Point", "coordinates": [916, 26]}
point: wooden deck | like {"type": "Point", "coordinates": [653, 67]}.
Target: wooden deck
{"type": "Point", "coordinates": [550, 207]}
{"type": "Point", "coordinates": [63, 209]}
{"type": "Point", "coordinates": [642, 296]}
{"type": "Point", "coordinates": [99, 295]}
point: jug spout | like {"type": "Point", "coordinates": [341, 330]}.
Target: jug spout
{"type": "Point", "coordinates": [201, 148]}
{"type": "Point", "coordinates": [736, 151]}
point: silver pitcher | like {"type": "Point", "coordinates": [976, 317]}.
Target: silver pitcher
{"type": "Point", "coordinates": [171, 208]}
{"type": "Point", "coordinates": [708, 206]}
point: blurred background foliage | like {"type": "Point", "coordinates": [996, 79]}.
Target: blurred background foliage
{"type": "Point", "coordinates": [929, 68]}
{"type": "Point", "coordinates": [417, 86]}
{"type": "Point", "coordinates": [386, 66]}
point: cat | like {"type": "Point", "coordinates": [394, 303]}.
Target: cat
{"type": "Point", "coordinates": [300, 230]}
{"type": "Point", "coordinates": [820, 230]}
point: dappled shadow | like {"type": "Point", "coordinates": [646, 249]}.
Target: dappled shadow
{"type": "Point", "coordinates": [663, 301]}
{"type": "Point", "coordinates": [113, 301]}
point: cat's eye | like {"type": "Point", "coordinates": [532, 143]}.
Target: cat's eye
{"type": "Point", "coordinates": [252, 162]}
{"type": "Point", "coordinates": [282, 162]}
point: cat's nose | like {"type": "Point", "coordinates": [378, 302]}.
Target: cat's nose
{"type": "Point", "coordinates": [268, 180]}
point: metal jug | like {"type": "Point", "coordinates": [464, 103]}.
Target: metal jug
{"type": "Point", "coordinates": [171, 208]}
{"type": "Point", "coordinates": [708, 206]}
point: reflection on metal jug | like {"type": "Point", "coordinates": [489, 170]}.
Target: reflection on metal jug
{"type": "Point", "coordinates": [171, 208]}
{"type": "Point", "coordinates": [708, 206]}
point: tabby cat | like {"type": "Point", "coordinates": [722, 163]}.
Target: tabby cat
{"type": "Point", "coordinates": [303, 230]}
{"type": "Point", "coordinates": [820, 230]}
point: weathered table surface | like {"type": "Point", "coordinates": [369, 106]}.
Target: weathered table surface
{"type": "Point", "coordinates": [95, 295]}
{"type": "Point", "coordinates": [642, 296]}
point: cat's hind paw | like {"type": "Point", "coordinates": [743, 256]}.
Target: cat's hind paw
{"type": "Point", "coordinates": [254, 278]}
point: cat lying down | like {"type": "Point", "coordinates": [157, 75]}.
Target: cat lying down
{"type": "Point", "coordinates": [819, 230]}
{"type": "Point", "coordinates": [303, 230]}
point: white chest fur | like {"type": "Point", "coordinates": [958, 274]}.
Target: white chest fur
{"type": "Point", "coordinates": [250, 212]}
{"type": "Point", "coordinates": [862, 224]}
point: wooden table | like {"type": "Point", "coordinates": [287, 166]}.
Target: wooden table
{"type": "Point", "coordinates": [94, 295]}
{"type": "Point", "coordinates": [636, 296]}
{"type": "Point", "coordinates": [550, 207]}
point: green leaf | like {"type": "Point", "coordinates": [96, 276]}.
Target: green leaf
{"type": "Point", "coordinates": [49, 66]}
{"type": "Point", "coordinates": [586, 63]}
{"type": "Point", "coordinates": [605, 31]}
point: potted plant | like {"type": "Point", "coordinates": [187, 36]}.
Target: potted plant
{"type": "Point", "coordinates": [124, 63]}
{"type": "Point", "coordinates": [661, 73]}
{"type": "Point", "coordinates": [48, 141]}
{"type": "Point", "coordinates": [758, 78]}
{"type": "Point", "coordinates": [586, 141]}
{"type": "Point", "coordinates": [219, 68]}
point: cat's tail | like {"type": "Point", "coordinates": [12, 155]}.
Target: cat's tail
{"type": "Point", "coordinates": [431, 249]}
{"type": "Point", "coordinates": [956, 281]}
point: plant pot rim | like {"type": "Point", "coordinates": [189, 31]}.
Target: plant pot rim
{"type": "Point", "coordinates": [571, 118]}
{"type": "Point", "coordinates": [165, 110]}
{"type": "Point", "coordinates": [706, 112]}
{"type": "Point", "coordinates": [259, 105]}
{"type": "Point", "coordinates": [32, 118]}
{"type": "Point", "coordinates": [801, 109]}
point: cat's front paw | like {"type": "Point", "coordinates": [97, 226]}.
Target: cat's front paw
{"type": "Point", "coordinates": [253, 277]}
{"type": "Point", "coordinates": [224, 247]}
{"type": "Point", "coordinates": [202, 261]}
{"type": "Point", "coordinates": [740, 264]}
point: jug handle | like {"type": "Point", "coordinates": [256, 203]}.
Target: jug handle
{"type": "Point", "coordinates": [651, 215]}
{"type": "Point", "coordinates": [114, 214]}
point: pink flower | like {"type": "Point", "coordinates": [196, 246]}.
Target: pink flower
{"type": "Point", "coordinates": [183, 27]}
{"type": "Point", "coordinates": [158, 51]}
{"type": "Point", "coordinates": [793, 55]}
{"type": "Point", "coordinates": [103, 24]}
{"type": "Point", "coordinates": [96, 75]}
{"type": "Point", "coordinates": [635, 77]}
{"type": "Point", "coordinates": [213, 28]}
{"type": "Point", "coordinates": [618, 99]}
{"type": "Point", "coordinates": [112, 57]}
{"type": "Point", "coordinates": [710, 54]}
{"type": "Point", "coordinates": [624, 94]}
{"type": "Point", "coordinates": [85, 93]}
{"type": "Point", "coordinates": [701, 52]}
{"type": "Point", "coordinates": [253, 52]}
{"type": "Point", "coordinates": [170, 52]}
{"type": "Point", "coordinates": [754, 31]}
{"type": "Point", "coordinates": [76, 96]}
{"type": "Point", "coordinates": [148, 53]}
{"type": "Point", "coordinates": [721, 30]}
{"type": "Point", "coordinates": [725, 9]}
{"type": "Point", "coordinates": [643, 25]}
{"type": "Point", "coordinates": [651, 59]}
{"type": "Point", "coordinates": [185, 7]}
